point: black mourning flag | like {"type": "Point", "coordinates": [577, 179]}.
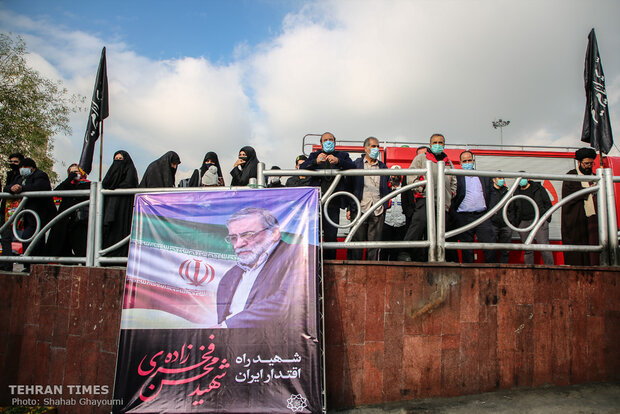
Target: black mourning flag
{"type": "Point", "coordinates": [98, 112]}
{"type": "Point", "coordinates": [596, 125]}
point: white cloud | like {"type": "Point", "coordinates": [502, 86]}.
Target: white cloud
{"type": "Point", "coordinates": [393, 69]}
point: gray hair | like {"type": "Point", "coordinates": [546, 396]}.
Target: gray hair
{"type": "Point", "coordinates": [367, 141]}
{"type": "Point", "coordinates": [269, 220]}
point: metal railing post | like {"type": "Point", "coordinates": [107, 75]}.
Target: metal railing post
{"type": "Point", "coordinates": [603, 230]}
{"type": "Point", "coordinates": [92, 214]}
{"type": "Point", "coordinates": [612, 220]}
{"type": "Point", "coordinates": [260, 175]}
{"type": "Point", "coordinates": [98, 233]}
{"type": "Point", "coordinates": [431, 229]}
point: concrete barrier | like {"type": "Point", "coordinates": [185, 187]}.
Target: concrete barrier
{"type": "Point", "coordinates": [394, 332]}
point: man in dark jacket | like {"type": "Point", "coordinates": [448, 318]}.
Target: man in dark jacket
{"type": "Point", "coordinates": [524, 215]}
{"type": "Point", "coordinates": [468, 205]}
{"type": "Point", "coordinates": [295, 180]}
{"type": "Point", "coordinates": [579, 219]}
{"type": "Point", "coordinates": [7, 235]}
{"type": "Point", "coordinates": [368, 190]}
{"type": "Point", "coordinates": [327, 158]}
{"type": "Point", "coordinates": [33, 179]}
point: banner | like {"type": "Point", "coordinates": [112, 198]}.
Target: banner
{"type": "Point", "coordinates": [221, 306]}
{"type": "Point", "coordinates": [596, 125]}
{"type": "Point", "coordinates": [99, 111]}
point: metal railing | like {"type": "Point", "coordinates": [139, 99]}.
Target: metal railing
{"type": "Point", "coordinates": [95, 255]}
{"type": "Point", "coordinates": [436, 236]}
{"type": "Point", "coordinates": [436, 232]}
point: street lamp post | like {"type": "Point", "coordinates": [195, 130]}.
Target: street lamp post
{"type": "Point", "coordinates": [500, 124]}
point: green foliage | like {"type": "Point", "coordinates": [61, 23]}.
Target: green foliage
{"type": "Point", "coordinates": [32, 108]}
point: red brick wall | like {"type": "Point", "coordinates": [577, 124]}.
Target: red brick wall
{"type": "Point", "coordinates": [492, 328]}
{"type": "Point", "coordinates": [60, 325]}
{"type": "Point", "coordinates": [477, 329]}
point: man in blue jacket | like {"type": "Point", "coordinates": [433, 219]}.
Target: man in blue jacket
{"type": "Point", "coordinates": [327, 158]}
{"type": "Point", "coordinates": [368, 190]}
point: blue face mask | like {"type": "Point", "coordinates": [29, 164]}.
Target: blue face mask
{"type": "Point", "coordinates": [25, 172]}
{"type": "Point", "coordinates": [374, 153]}
{"type": "Point", "coordinates": [468, 166]}
{"type": "Point", "coordinates": [329, 146]}
{"type": "Point", "coordinates": [436, 149]}
{"type": "Point", "coordinates": [501, 182]}
{"type": "Point", "coordinates": [523, 182]}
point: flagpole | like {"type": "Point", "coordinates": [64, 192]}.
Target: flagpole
{"type": "Point", "coordinates": [100, 149]}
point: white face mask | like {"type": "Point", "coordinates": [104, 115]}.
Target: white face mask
{"type": "Point", "coordinates": [25, 171]}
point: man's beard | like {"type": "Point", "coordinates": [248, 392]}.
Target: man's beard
{"type": "Point", "coordinates": [248, 256]}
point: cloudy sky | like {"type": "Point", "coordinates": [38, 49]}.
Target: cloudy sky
{"type": "Point", "coordinates": [196, 76]}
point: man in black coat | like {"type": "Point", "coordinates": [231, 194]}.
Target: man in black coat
{"type": "Point", "coordinates": [7, 235]}
{"type": "Point", "coordinates": [299, 181]}
{"type": "Point", "coordinates": [327, 158]}
{"type": "Point", "coordinates": [501, 232]}
{"type": "Point", "coordinates": [471, 202]}
{"type": "Point", "coordinates": [32, 179]}
{"type": "Point", "coordinates": [524, 216]}
{"type": "Point", "coordinates": [268, 286]}
{"type": "Point", "coordinates": [579, 219]}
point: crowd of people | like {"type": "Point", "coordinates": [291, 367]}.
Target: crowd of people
{"type": "Point", "coordinates": [403, 217]}
{"type": "Point", "coordinates": [467, 199]}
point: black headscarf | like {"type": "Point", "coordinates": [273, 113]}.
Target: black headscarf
{"type": "Point", "coordinates": [118, 209]}
{"type": "Point", "coordinates": [248, 170]}
{"type": "Point", "coordinates": [159, 173]}
{"type": "Point", "coordinates": [121, 174]}
{"type": "Point", "coordinates": [196, 178]}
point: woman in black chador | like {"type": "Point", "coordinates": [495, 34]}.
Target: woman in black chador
{"type": "Point", "coordinates": [245, 167]}
{"type": "Point", "coordinates": [68, 237]}
{"type": "Point", "coordinates": [160, 173]}
{"type": "Point", "coordinates": [209, 173]}
{"type": "Point", "coordinates": [118, 210]}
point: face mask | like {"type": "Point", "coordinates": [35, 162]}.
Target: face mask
{"type": "Point", "coordinates": [25, 172]}
{"type": "Point", "coordinates": [585, 171]}
{"type": "Point", "coordinates": [274, 180]}
{"type": "Point", "coordinates": [329, 146]}
{"type": "Point", "coordinates": [14, 167]}
{"type": "Point", "coordinates": [374, 153]}
{"type": "Point", "coordinates": [437, 149]}
{"type": "Point", "coordinates": [77, 175]}
{"type": "Point", "coordinates": [243, 158]}
{"type": "Point", "coordinates": [523, 182]}
{"type": "Point", "coordinates": [468, 166]}
{"type": "Point", "coordinates": [395, 180]}
{"type": "Point", "coordinates": [500, 182]}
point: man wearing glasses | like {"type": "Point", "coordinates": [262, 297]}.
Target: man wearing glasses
{"type": "Point", "coordinates": [579, 221]}
{"type": "Point", "coordinates": [270, 275]}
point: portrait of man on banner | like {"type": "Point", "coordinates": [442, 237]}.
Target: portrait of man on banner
{"type": "Point", "coordinates": [268, 276]}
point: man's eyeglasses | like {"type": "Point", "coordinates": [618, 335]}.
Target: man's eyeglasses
{"type": "Point", "coordinates": [245, 236]}
{"type": "Point", "coordinates": [466, 161]}
{"type": "Point", "coordinates": [587, 164]}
